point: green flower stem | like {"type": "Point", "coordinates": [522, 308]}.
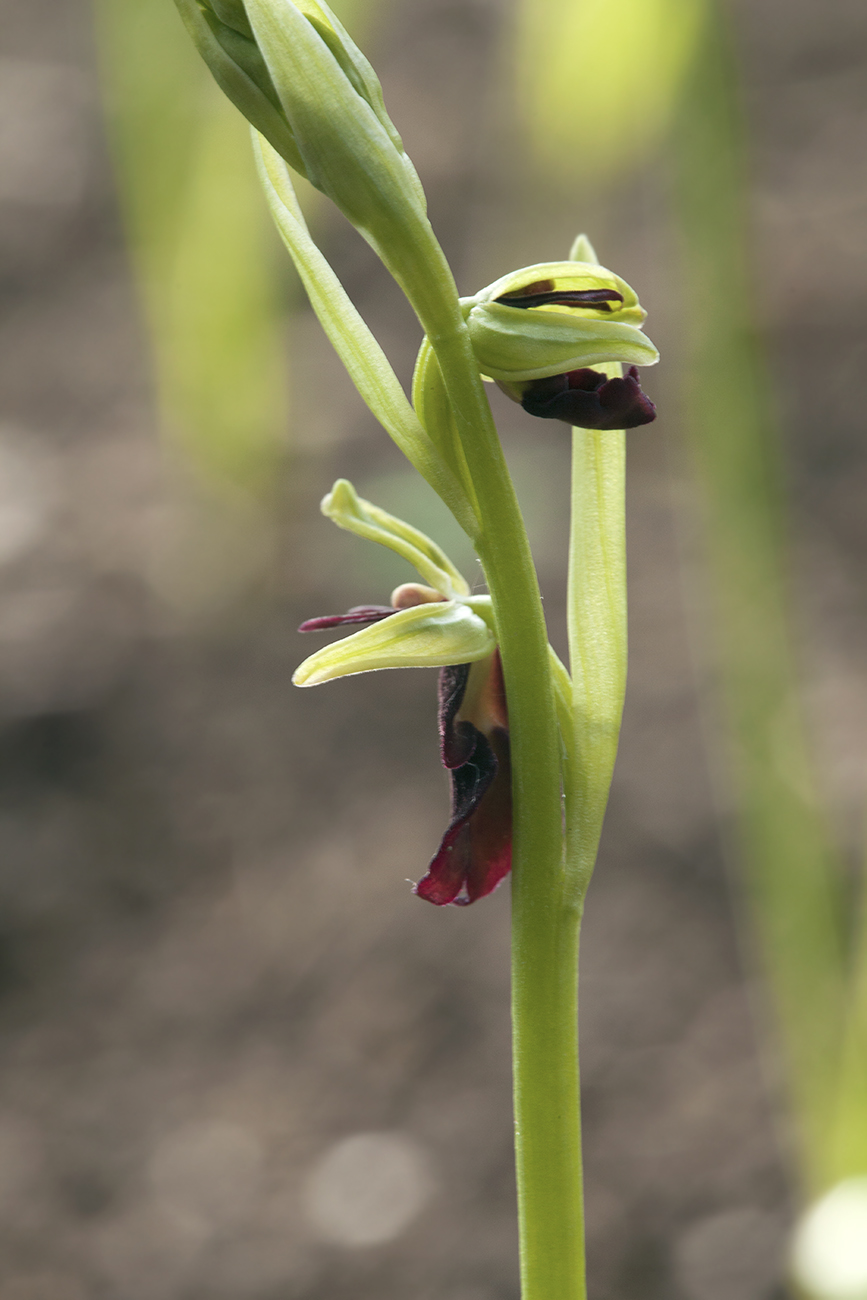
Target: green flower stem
{"type": "Point", "coordinates": [544, 932]}
{"type": "Point", "coordinates": [591, 714]}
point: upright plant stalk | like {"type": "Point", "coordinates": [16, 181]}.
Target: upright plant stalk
{"type": "Point", "coordinates": [544, 925]}
{"type": "Point", "coordinates": [791, 874]}
{"type": "Point", "coordinates": [546, 1087]}
{"type": "Point", "coordinates": [546, 938]}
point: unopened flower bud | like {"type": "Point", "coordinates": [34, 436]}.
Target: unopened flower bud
{"type": "Point", "coordinates": [554, 318]}
{"type": "Point", "coordinates": [222, 33]}
{"type": "Point", "coordinates": [297, 76]}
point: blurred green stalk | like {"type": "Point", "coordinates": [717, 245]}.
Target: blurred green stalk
{"type": "Point", "coordinates": [792, 876]}
{"type": "Point", "coordinates": [848, 1153]}
{"type": "Point", "coordinates": [202, 250]}
{"type": "Point", "coordinates": [599, 80]}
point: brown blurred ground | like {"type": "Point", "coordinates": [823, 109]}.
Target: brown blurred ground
{"type": "Point", "coordinates": [211, 967]}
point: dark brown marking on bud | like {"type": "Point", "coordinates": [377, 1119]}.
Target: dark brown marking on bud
{"type": "Point", "coordinates": [538, 286]}
{"type": "Point", "coordinates": [532, 296]}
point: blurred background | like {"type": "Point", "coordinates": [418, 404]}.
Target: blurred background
{"type": "Point", "coordinates": [237, 1057]}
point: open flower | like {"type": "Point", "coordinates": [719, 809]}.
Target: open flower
{"type": "Point", "coordinates": [539, 331]}
{"type": "Point", "coordinates": [434, 624]}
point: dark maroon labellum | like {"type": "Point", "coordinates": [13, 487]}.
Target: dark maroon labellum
{"type": "Point", "coordinates": [590, 400]}
{"type": "Point", "coordinates": [475, 853]}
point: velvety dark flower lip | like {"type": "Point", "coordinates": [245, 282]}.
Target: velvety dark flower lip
{"type": "Point", "coordinates": [358, 614]}
{"type": "Point", "coordinates": [475, 853]}
{"type": "Point", "coordinates": [590, 400]}
{"type": "Point", "coordinates": [544, 294]}
{"type": "Point", "coordinates": [436, 623]}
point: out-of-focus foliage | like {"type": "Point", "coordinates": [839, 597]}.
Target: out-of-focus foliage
{"type": "Point", "coordinates": [790, 868]}
{"type": "Point", "coordinates": [201, 245]}
{"type": "Point", "coordinates": [209, 271]}
{"type": "Point", "coordinates": [599, 80]}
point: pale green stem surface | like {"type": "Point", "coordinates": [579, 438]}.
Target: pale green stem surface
{"type": "Point", "coordinates": [597, 641]}
{"type": "Point", "coordinates": [544, 929]}
{"type": "Point", "coordinates": [792, 878]}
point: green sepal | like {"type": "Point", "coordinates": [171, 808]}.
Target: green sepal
{"type": "Point", "coordinates": [425, 636]}
{"type": "Point", "coordinates": [354, 64]}
{"type": "Point", "coordinates": [232, 13]}
{"type": "Point", "coordinates": [348, 510]}
{"type": "Point", "coordinates": [583, 251]}
{"type": "Point", "coordinates": [514, 345]}
{"type": "Point", "coordinates": [237, 67]}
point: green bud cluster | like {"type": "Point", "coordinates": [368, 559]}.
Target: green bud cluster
{"type": "Point", "coordinates": [301, 81]}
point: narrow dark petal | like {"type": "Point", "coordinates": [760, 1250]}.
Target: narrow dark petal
{"type": "Point", "coordinates": [563, 298]}
{"type": "Point", "coordinates": [476, 851]}
{"type": "Point", "coordinates": [587, 399]}
{"type": "Point", "coordinates": [358, 614]}
{"type": "Point", "coordinates": [457, 739]}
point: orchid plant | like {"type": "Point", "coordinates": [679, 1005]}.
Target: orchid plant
{"type": "Point", "coordinates": [530, 744]}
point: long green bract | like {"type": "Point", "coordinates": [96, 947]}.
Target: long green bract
{"type": "Point", "coordinates": [365, 361]}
